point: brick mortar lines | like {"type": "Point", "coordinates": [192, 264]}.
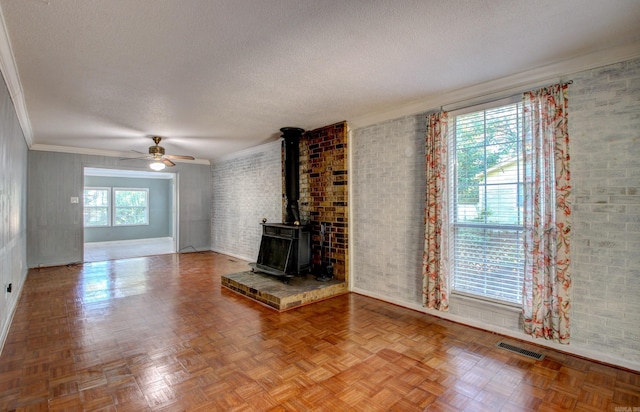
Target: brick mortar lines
{"type": "Point", "coordinates": [323, 190]}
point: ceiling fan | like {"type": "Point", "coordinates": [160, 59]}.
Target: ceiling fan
{"type": "Point", "coordinates": [160, 159]}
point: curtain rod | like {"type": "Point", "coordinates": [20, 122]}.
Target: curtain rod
{"type": "Point", "coordinates": [478, 100]}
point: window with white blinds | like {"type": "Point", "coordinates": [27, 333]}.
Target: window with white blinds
{"type": "Point", "coordinates": [487, 200]}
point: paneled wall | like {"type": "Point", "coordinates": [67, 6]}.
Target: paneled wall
{"type": "Point", "coordinates": [55, 225]}
{"type": "Point", "coordinates": [13, 210]}
{"type": "Point", "coordinates": [194, 207]}
{"type": "Point", "coordinates": [604, 126]}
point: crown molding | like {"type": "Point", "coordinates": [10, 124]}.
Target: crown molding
{"type": "Point", "coordinates": [247, 152]}
{"type": "Point", "coordinates": [12, 80]}
{"type": "Point", "coordinates": [129, 173]}
{"type": "Point", "coordinates": [109, 153]}
{"type": "Point", "coordinates": [505, 86]}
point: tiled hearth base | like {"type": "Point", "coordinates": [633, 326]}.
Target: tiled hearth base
{"type": "Point", "coordinates": [273, 292]}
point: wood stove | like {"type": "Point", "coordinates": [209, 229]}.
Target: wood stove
{"type": "Point", "coordinates": [285, 248]}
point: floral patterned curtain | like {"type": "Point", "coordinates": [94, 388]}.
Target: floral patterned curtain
{"type": "Point", "coordinates": [547, 211]}
{"type": "Point", "coordinates": [434, 260]}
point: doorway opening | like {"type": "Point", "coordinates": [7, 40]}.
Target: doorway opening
{"type": "Point", "coordinates": [128, 213]}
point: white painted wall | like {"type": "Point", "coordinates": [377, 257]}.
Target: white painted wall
{"type": "Point", "coordinates": [246, 188]}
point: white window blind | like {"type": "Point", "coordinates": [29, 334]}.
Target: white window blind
{"type": "Point", "coordinates": [488, 255]}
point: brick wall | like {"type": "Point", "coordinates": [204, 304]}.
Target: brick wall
{"type": "Point", "coordinates": [605, 168]}
{"type": "Point", "coordinates": [604, 125]}
{"type": "Point", "coordinates": [245, 188]}
{"type": "Point", "coordinates": [388, 183]}
{"type": "Point", "coordinates": [323, 191]}
{"type": "Point", "coordinates": [249, 186]}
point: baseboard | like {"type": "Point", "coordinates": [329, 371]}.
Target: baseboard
{"type": "Point", "coordinates": [223, 252]}
{"type": "Point", "coordinates": [129, 241]}
{"type": "Point", "coordinates": [12, 312]}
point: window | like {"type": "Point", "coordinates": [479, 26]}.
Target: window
{"type": "Point", "coordinates": [487, 232]}
{"type": "Point", "coordinates": [97, 206]}
{"type": "Point", "coordinates": [130, 207]}
{"type": "Point", "coordinates": [127, 207]}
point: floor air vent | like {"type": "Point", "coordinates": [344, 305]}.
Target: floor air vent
{"type": "Point", "coordinates": [524, 352]}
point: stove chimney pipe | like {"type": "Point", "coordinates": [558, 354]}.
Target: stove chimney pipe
{"type": "Point", "coordinates": [291, 136]}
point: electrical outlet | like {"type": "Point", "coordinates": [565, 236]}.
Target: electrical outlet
{"type": "Point", "coordinates": [75, 199]}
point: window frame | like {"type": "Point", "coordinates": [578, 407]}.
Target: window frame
{"type": "Point", "coordinates": [112, 208]}
{"type": "Point", "coordinates": [455, 225]}
{"type": "Point", "coordinates": [85, 207]}
{"type": "Point", "coordinates": [115, 207]}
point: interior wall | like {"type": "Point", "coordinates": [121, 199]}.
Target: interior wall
{"type": "Point", "coordinates": [194, 207]}
{"type": "Point", "coordinates": [160, 210]}
{"type": "Point", "coordinates": [55, 224]}
{"type": "Point", "coordinates": [604, 126]}
{"type": "Point", "coordinates": [246, 188]}
{"type": "Point", "coordinates": [13, 210]}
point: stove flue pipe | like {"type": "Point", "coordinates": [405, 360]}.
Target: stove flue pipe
{"type": "Point", "coordinates": [291, 136]}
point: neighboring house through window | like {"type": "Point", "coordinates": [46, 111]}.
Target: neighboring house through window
{"type": "Point", "coordinates": [487, 226]}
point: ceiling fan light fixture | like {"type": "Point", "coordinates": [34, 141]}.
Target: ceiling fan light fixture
{"type": "Point", "coordinates": [157, 166]}
{"type": "Point", "coordinates": [160, 160]}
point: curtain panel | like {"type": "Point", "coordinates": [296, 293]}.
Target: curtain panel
{"type": "Point", "coordinates": [547, 212]}
{"type": "Point", "coordinates": [435, 294]}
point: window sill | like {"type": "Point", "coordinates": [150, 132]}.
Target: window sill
{"type": "Point", "coordinates": [511, 307]}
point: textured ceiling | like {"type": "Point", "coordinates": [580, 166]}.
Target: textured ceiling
{"type": "Point", "coordinates": [216, 77]}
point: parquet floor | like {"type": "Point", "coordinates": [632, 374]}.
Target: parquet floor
{"type": "Point", "coordinates": [160, 334]}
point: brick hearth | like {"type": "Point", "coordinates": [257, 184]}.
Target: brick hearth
{"type": "Point", "coordinates": [273, 292]}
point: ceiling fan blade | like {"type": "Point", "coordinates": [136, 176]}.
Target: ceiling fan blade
{"type": "Point", "coordinates": [168, 162]}
{"type": "Point", "coordinates": [180, 157]}
{"type": "Point", "coordinates": [134, 158]}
